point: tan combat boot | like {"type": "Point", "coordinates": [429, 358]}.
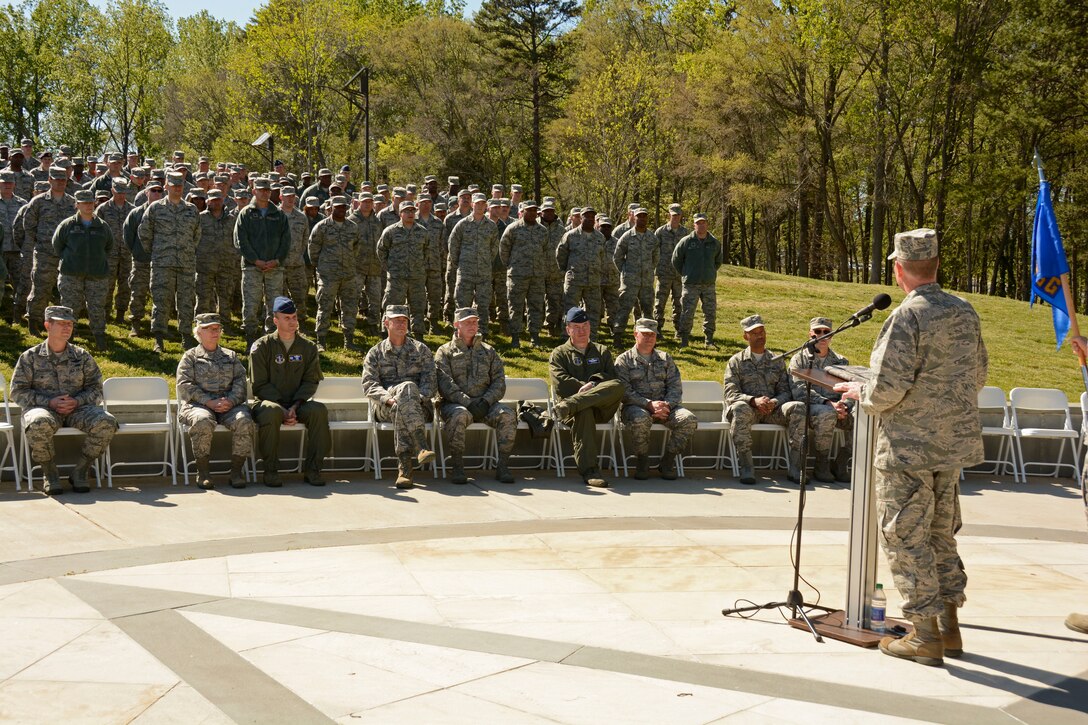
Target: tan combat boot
{"type": "Point", "coordinates": [949, 624]}
{"type": "Point", "coordinates": [923, 645]}
{"type": "Point", "coordinates": [404, 472]}
{"type": "Point", "coordinates": [1077, 622]}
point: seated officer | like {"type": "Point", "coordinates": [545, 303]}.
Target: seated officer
{"type": "Point", "coordinates": [398, 377]}
{"type": "Point", "coordinates": [584, 381]}
{"type": "Point", "coordinates": [827, 407]}
{"type": "Point", "coordinates": [757, 390]}
{"type": "Point", "coordinates": [284, 369]}
{"type": "Point", "coordinates": [57, 384]}
{"type": "Point", "coordinates": [472, 381]}
{"type": "Point", "coordinates": [212, 390]}
{"type": "Point", "coordinates": [653, 396]}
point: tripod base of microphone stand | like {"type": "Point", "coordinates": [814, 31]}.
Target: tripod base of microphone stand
{"type": "Point", "coordinates": [796, 602]}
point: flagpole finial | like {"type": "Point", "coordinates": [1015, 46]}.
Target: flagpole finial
{"type": "Point", "coordinates": [1039, 166]}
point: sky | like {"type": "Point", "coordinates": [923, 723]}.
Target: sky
{"type": "Point", "coordinates": [240, 11]}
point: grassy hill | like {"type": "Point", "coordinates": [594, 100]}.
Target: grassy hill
{"type": "Point", "coordinates": [1020, 340]}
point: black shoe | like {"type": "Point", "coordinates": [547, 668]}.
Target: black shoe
{"type": "Point", "coordinates": [272, 479]}
{"type": "Point", "coordinates": [314, 478]}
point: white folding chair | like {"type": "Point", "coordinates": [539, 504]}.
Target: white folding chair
{"type": "Point", "coordinates": [666, 434]}
{"type": "Point", "coordinates": [8, 431]}
{"type": "Point", "coordinates": [145, 391]}
{"type": "Point", "coordinates": [709, 394]}
{"type": "Point", "coordinates": [299, 428]}
{"type": "Point", "coordinates": [248, 468]}
{"type": "Point", "coordinates": [1040, 403]}
{"type": "Point", "coordinates": [605, 453]}
{"type": "Point", "coordinates": [532, 390]}
{"type": "Point", "coordinates": [62, 432]}
{"type": "Point", "coordinates": [346, 394]}
{"type": "Point", "coordinates": [776, 459]}
{"type": "Point", "coordinates": [991, 405]}
{"type": "Point", "coordinates": [437, 465]}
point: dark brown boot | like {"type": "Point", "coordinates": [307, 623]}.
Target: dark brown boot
{"type": "Point", "coordinates": [203, 474]}
{"type": "Point", "coordinates": [237, 472]}
{"type": "Point", "coordinates": [667, 467]}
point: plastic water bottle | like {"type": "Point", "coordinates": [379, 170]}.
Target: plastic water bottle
{"type": "Point", "coordinates": [877, 607]}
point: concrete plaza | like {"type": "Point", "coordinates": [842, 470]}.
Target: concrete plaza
{"type": "Point", "coordinates": [543, 601]}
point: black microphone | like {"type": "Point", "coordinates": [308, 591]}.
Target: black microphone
{"type": "Point", "coordinates": [881, 302]}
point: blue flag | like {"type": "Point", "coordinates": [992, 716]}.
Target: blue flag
{"type": "Point", "coordinates": [1048, 263]}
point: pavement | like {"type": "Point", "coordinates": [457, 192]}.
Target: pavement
{"type": "Point", "coordinates": [542, 601]}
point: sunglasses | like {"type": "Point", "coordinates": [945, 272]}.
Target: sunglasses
{"type": "Point", "coordinates": [817, 333]}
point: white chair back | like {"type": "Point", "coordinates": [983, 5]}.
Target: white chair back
{"type": "Point", "coordinates": [532, 389]}
{"type": "Point", "coordinates": [340, 390]}
{"type": "Point", "coordinates": [703, 391]}
{"type": "Point", "coordinates": [136, 391]}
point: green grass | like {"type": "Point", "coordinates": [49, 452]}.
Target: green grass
{"type": "Point", "coordinates": [1020, 340]}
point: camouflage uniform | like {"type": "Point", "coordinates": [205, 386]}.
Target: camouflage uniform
{"type": "Point", "coordinates": [139, 279]}
{"type": "Point", "coordinates": [747, 378]}
{"type": "Point", "coordinates": [216, 261]}
{"type": "Point", "coordinates": [472, 249]}
{"type": "Point", "coordinates": [466, 374]}
{"type": "Point", "coordinates": [580, 255]}
{"type": "Point", "coordinates": [43, 214]}
{"type": "Point", "coordinates": [928, 364]}
{"type": "Point", "coordinates": [171, 233]}
{"type": "Point", "coordinates": [824, 418]}
{"type": "Point", "coordinates": [448, 224]}
{"type": "Point", "coordinates": [204, 376]}
{"type": "Point", "coordinates": [120, 262]}
{"type": "Point", "coordinates": [12, 246]}
{"type": "Point", "coordinates": [697, 261]}
{"type": "Point", "coordinates": [610, 283]}
{"type": "Point", "coordinates": [26, 260]}
{"type": "Point", "coordinates": [636, 258]}
{"type": "Point", "coordinates": [500, 303]}
{"type": "Point", "coordinates": [40, 376]}
{"type": "Point", "coordinates": [403, 251]}
{"type": "Point", "coordinates": [369, 276]}
{"type": "Point", "coordinates": [668, 281]}
{"type": "Point", "coordinates": [407, 376]}
{"type": "Point", "coordinates": [436, 261]}
{"type": "Point", "coordinates": [647, 381]}
{"type": "Point", "coordinates": [24, 184]}
{"type": "Point", "coordinates": [523, 250]}
{"type": "Point", "coordinates": [296, 277]}
{"type": "Point", "coordinates": [84, 254]}
{"type": "Point", "coordinates": [332, 252]}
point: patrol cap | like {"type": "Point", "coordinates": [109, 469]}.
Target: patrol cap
{"type": "Point", "coordinates": [674, 208]}
{"type": "Point", "coordinates": [440, 206]}
{"type": "Point", "coordinates": [576, 210]}
{"type": "Point", "coordinates": [751, 322]}
{"type": "Point", "coordinates": [341, 179]}
{"type": "Point", "coordinates": [817, 323]}
{"type": "Point", "coordinates": [215, 194]}
{"type": "Point", "coordinates": [478, 197]}
{"type": "Point", "coordinates": [429, 178]}
{"type": "Point", "coordinates": [59, 312]}
{"type": "Point", "coordinates": [700, 217]}
{"type": "Point", "coordinates": [57, 172]}
{"type": "Point", "coordinates": [40, 186]}
{"type": "Point", "coordinates": [605, 222]}
{"type": "Point", "coordinates": [175, 178]}
{"type": "Point", "coordinates": [645, 324]}
{"type": "Point", "coordinates": [26, 142]}
{"type": "Point", "coordinates": [100, 194]}
{"type": "Point", "coordinates": [120, 184]}
{"type": "Point", "coordinates": [400, 191]}
{"type": "Point", "coordinates": [139, 171]}
{"type": "Point", "coordinates": [7, 176]}
{"type": "Point", "coordinates": [78, 161]}
{"type": "Point", "coordinates": [383, 187]}
{"type": "Point", "coordinates": [515, 187]}
{"type": "Point", "coordinates": [262, 182]}
{"type": "Point", "coordinates": [66, 150]}
{"type": "Point", "coordinates": [179, 154]}
{"type": "Point", "coordinates": [633, 205]}
{"type": "Point", "coordinates": [466, 313]}
{"type": "Point", "coordinates": [473, 187]}
{"type": "Point", "coordinates": [17, 151]}
{"type": "Point", "coordinates": [46, 154]}
{"type": "Point", "coordinates": [159, 174]}
{"type": "Point", "coordinates": [337, 200]}
{"type": "Point", "coordinates": [641, 211]}
{"type": "Point", "coordinates": [504, 202]}
{"type": "Point", "coordinates": [396, 311]}
{"type": "Point", "coordinates": [84, 195]}
{"type": "Point", "coordinates": [423, 200]}
{"type": "Point", "coordinates": [407, 205]}
{"type": "Point", "coordinates": [365, 196]}
{"type": "Point", "coordinates": [324, 172]}
{"type": "Point", "coordinates": [147, 161]}
{"type": "Point", "coordinates": [576, 315]}
{"type": "Point", "coordinates": [491, 202]}
{"type": "Point", "coordinates": [197, 193]}
{"type": "Point", "coordinates": [312, 201]}
{"type": "Point", "coordinates": [587, 210]}
{"type": "Point", "coordinates": [202, 160]}
{"type": "Point", "coordinates": [365, 183]}
{"type": "Point", "coordinates": [284, 305]}
{"type": "Point", "coordinates": [287, 190]}
{"type": "Point", "coordinates": [207, 319]}
{"type": "Point", "coordinates": [548, 204]}
{"type": "Point", "coordinates": [154, 186]}
{"type": "Point", "coordinates": [530, 204]}
{"type": "Point", "coordinates": [242, 193]}
{"type": "Point", "coordinates": [915, 245]}
{"type": "Point", "coordinates": [221, 179]}
{"type": "Point", "coordinates": [497, 187]}
{"type": "Point", "coordinates": [465, 192]}
{"type": "Point", "coordinates": [64, 162]}
{"type": "Point", "coordinates": [116, 158]}
{"type": "Point", "coordinates": [274, 175]}
{"type": "Point", "coordinates": [453, 180]}
{"type": "Point", "coordinates": [411, 188]}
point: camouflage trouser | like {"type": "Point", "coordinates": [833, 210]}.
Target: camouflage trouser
{"type": "Point", "coordinates": [172, 287]}
{"type": "Point", "coordinates": [455, 419]}
{"type": "Point", "coordinates": [435, 294]}
{"type": "Point", "coordinates": [371, 287]}
{"type": "Point", "coordinates": [474, 293]}
{"type": "Point", "coordinates": [19, 274]}
{"type": "Point", "coordinates": [553, 296]}
{"type": "Point", "coordinates": [667, 286]}
{"type": "Point", "coordinates": [919, 515]}
{"type": "Point", "coordinates": [214, 288]}
{"type": "Point", "coordinates": [631, 291]}
{"type": "Point", "coordinates": [328, 289]}
{"type": "Point", "coordinates": [525, 294]}
{"type": "Point", "coordinates": [499, 302]}
{"type": "Point", "coordinates": [42, 284]}
{"type": "Point", "coordinates": [199, 422]}
{"type": "Point", "coordinates": [589, 297]}
{"type": "Point", "coordinates": [824, 418]}
{"type": "Point", "coordinates": [119, 265]}
{"type": "Point", "coordinates": [39, 425]}
{"type": "Point", "coordinates": [296, 285]}
{"type": "Point", "coordinates": [610, 303]}
{"type": "Point", "coordinates": [12, 262]}
{"type": "Point", "coordinates": [692, 294]}
{"type": "Point", "coordinates": [259, 288]}
{"type": "Point", "coordinates": [413, 291]}
{"type": "Point", "coordinates": [743, 416]}
{"type": "Point", "coordinates": [76, 290]}
{"type": "Point", "coordinates": [408, 416]}
{"type": "Point", "coordinates": [139, 281]}
{"type": "Point", "coordinates": [681, 424]}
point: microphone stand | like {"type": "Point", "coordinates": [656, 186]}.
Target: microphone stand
{"type": "Point", "coordinates": [794, 599]}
